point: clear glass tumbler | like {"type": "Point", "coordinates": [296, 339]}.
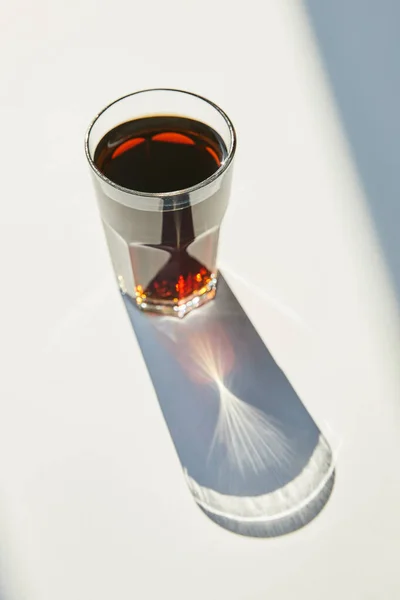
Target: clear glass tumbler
{"type": "Point", "coordinates": [163, 242]}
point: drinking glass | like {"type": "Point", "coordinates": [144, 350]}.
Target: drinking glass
{"type": "Point", "coordinates": [163, 245]}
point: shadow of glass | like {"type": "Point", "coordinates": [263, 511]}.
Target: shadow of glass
{"type": "Point", "coordinates": [253, 458]}
{"type": "Point", "coordinates": [359, 43]}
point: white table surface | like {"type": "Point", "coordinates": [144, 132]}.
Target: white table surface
{"type": "Point", "coordinates": [93, 504]}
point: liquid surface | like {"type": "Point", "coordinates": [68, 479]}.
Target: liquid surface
{"type": "Point", "coordinates": [160, 154]}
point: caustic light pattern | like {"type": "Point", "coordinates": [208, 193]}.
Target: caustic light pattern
{"type": "Point", "coordinates": [252, 439]}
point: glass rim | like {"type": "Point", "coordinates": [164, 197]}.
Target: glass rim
{"type": "Point", "coordinates": [221, 169]}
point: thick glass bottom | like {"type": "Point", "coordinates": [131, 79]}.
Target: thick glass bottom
{"type": "Point", "coordinates": [182, 307]}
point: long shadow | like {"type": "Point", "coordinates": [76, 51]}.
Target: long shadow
{"type": "Point", "coordinates": [253, 458]}
{"type": "Point", "coordinates": [360, 44]}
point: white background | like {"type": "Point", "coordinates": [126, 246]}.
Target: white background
{"type": "Point", "coordinates": [93, 504]}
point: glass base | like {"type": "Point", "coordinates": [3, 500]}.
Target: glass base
{"type": "Point", "coordinates": [182, 307]}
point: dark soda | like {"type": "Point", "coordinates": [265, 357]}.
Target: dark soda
{"type": "Point", "coordinates": [158, 155]}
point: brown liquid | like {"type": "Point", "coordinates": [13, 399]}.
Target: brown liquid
{"type": "Point", "coordinates": [158, 155]}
